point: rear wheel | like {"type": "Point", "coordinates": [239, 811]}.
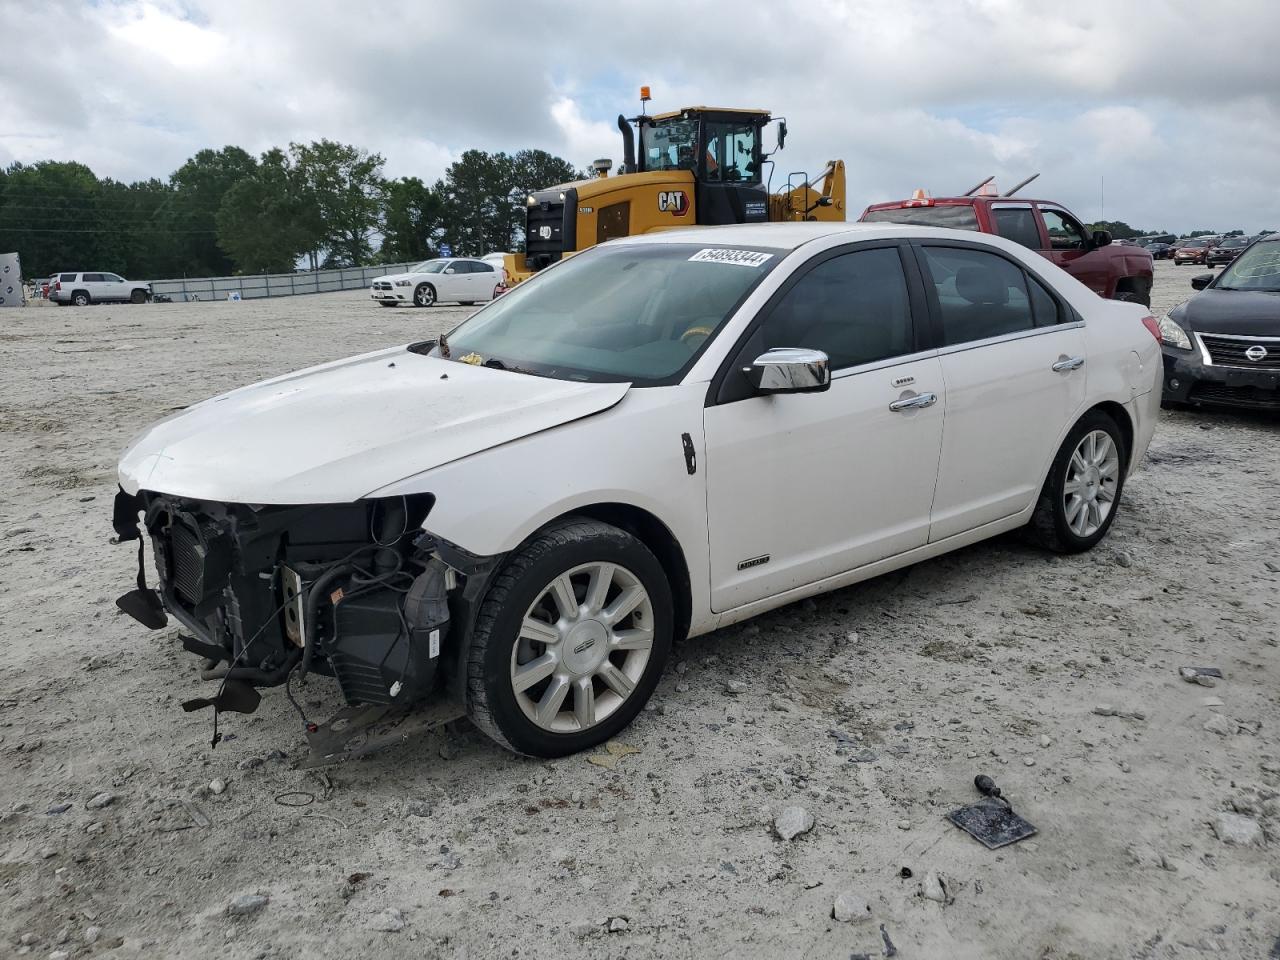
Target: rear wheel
{"type": "Point", "coordinates": [570, 640]}
{"type": "Point", "coordinates": [80, 298]}
{"type": "Point", "coordinates": [424, 295]}
{"type": "Point", "coordinates": [1081, 495]}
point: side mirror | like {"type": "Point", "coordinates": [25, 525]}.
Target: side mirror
{"type": "Point", "coordinates": [790, 370]}
{"type": "Point", "coordinates": [1101, 238]}
{"type": "Point", "coordinates": [1201, 281]}
{"type": "Point", "coordinates": [449, 270]}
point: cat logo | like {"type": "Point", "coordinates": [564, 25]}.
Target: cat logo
{"type": "Point", "coordinates": [674, 202]}
{"type": "Point", "coordinates": [544, 233]}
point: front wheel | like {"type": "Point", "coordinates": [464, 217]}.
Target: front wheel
{"type": "Point", "coordinates": [424, 295]}
{"type": "Point", "coordinates": [570, 640]}
{"type": "Point", "coordinates": [1081, 495]}
{"type": "Point", "coordinates": [138, 296]}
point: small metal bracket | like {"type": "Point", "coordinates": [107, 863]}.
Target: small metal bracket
{"type": "Point", "coordinates": [690, 455]}
{"type": "Point", "coordinates": [358, 731]}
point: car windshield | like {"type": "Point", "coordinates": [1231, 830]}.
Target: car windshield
{"type": "Point", "coordinates": [1197, 243]}
{"type": "Point", "coordinates": [636, 312]}
{"type": "Point", "coordinates": [430, 266]}
{"type": "Point", "coordinates": [1234, 242]}
{"type": "Point", "coordinates": [955, 216]}
{"type": "Point", "coordinates": [1258, 268]}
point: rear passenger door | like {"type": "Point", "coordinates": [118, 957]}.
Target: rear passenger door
{"type": "Point", "coordinates": [1013, 366]}
{"type": "Point", "coordinates": [95, 284]}
{"type": "Point", "coordinates": [483, 280]}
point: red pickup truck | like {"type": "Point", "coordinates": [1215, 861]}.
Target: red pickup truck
{"type": "Point", "coordinates": [1114, 271]}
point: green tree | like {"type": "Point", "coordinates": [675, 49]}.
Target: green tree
{"type": "Point", "coordinates": [269, 220]}
{"type": "Point", "coordinates": [199, 186]}
{"type": "Point", "coordinates": [345, 183]}
{"type": "Point", "coordinates": [476, 190]}
{"type": "Point", "coordinates": [413, 220]}
{"type": "Point", "coordinates": [54, 216]}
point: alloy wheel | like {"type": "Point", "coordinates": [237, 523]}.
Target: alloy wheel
{"type": "Point", "coordinates": [424, 296]}
{"type": "Point", "coordinates": [582, 648]}
{"type": "Point", "coordinates": [1093, 477]}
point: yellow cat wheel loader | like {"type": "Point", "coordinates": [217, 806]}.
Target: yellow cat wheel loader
{"type": "Point", "coordinates": [695, 166]}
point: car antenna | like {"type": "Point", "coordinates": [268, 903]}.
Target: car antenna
{"type": "Point", "coordinates": [978, 186]}
{"type": "Point", "coordinates": [1021, 185]}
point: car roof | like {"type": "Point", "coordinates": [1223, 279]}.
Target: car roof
{"type": "Point", "coordinates": [789, 236]}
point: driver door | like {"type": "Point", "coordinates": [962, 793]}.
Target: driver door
{"type": "Point", "coordinates": [805, 486]}
{"type": "Point", "coordinates": [1071, 248]}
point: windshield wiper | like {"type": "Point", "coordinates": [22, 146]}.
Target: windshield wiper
{"type": "Point", "coordinates": [493, 363]}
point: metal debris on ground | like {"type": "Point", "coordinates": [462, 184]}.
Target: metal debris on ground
{"type": "Point", "coordinates": [1205, 676]}
{"type": "Point", "coordinates": [295, 798]}
{"type": "Point", "coordinates": [991, 821]}
{"type": "Point", "coordinates": [614, 752]}
{"type": "Point", "coordinates": [196, 814]}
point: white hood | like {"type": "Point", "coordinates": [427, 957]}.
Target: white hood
{"type": "Point", "coordinates": [393, 277]}
{"type": "Point", "coordinates": [333, 433]}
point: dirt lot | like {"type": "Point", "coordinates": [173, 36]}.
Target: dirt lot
{"type": "Point", "coordinates": [873, 708]}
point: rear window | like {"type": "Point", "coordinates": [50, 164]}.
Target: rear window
{"type": "Point", "coordinates": [959, 217]}
{"type": "Point", "coordinates": [67, 277]}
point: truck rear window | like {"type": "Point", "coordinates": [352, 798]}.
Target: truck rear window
{"type": "Point", "coordinates": [955, 217]}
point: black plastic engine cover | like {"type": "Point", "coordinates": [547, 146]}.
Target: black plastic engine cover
{"type": "Point", "coordinates": [370, 651]}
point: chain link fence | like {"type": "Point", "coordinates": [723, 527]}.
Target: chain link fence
{"type": "Point", "coordinates": [272, 284]}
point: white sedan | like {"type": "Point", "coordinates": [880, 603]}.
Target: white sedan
{"type": "Point", "coordinates": [656, 438]}
{"type": "Point", "coordinates": [448, 279]}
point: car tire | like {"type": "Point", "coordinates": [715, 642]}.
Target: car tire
{"type": "Point", "coordinates": [81, 299]}
{"type": "Point", "coordinates": [424, 295]}
{"type": "Point", "coordinates": [537, 685]}
{"type": "Point", "coordinates": [1081, 495]}
{"type": "Point", "coordinates": [1128, 296]}
{"type": "Point", "coordinates": [138, 296]}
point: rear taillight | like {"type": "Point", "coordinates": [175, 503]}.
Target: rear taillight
{"type": "Point", "coordinates": [58, 285]}
{"type": "Point", "coordinates": [1153, 325]}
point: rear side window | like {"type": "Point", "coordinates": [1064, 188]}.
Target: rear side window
{"type": "Point", "coordinates": [853, 307]}
{"type": "Point", "coordinates": [1017, 224]}
{"type": "Point", "coordinates": [980, 295]}
{"type": "Point", "coordinates": [479, 266]}
{"type": "Point", "coordinates": [1046, 309]}
{"type": "Point", "coordinates": [956, 217]}
{"type": "Point", "coordinates": [459, 266]}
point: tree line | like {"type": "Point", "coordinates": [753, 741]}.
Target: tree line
{"type": "Point", "coordinates": [1122, 231]}
{"type": "Point", "coordinates": [225, 211]}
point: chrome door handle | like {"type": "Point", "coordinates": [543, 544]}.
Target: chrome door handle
{"type": "Point", "coordinates": [912, 403]}
{"type": "Point", "coordinates": [1071, 363]}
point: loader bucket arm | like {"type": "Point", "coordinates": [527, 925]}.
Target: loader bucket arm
{"type": "Point", "coordinates": [822, 198]}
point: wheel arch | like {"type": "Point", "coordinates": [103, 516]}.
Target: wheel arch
{"type": "Point", "coordinates": [655, 535]}
{"type": "Point", "coordinates": [1123, 420]}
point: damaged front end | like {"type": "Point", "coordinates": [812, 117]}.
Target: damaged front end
{"type": "Point", "coordinates": [356, 591]}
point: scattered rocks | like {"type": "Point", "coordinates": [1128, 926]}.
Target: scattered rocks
{"type": "Point", "coordinates": [934, 887]}
{"type": "Point", "coordinates": [904, 824]}
{"type": "Point", "coordinates": [91, 934]}
{"type": "Point", "coordinates": [1107, 710]}
{"type": "Point", "coordinates": [389, 920]}
{"type": "Point", "coordinates": [735, 687]}
{"type": "Point", "coordinates": [618, 924]}
{"type": "Point", "coordinates": [247, 904]}
{"type": "Point", "coordinates": [586, 928]}
{"type": "Point", "coordinates": [1220, 725]}
{"type": "Point", "coordinates": [217, 785]}
{"type": "Point", "coordinates": [848, 908]}
{"type": "Point", "coordinates": [792, 822]}
{"type": "Point", "coordinates": [1029, 761]}
{"type": "Point", "coordinates": [1192, 675]}
{"type": "Point", "coordinates": [100, 800]}
{"type": "Point", "coordinates": [1123, 559]}
{"type": "Point", "coordinates": [1237, 829]}
{"type": "Point", "coordinates": [58, 808]}
{"type": "Point", "coordinates": [449, 861]}
{"type": "Point", "coordinates": [47, 853]}
{"type": "Point", "coordinates": [1142, 855]}
{"type": "Point", "coordinates": [1045, 741]}
{"type": "Point", "coordinates": [418, 808]}
{"type": "Point", "coordinates": [18, 531]}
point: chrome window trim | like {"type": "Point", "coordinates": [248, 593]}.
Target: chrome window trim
{"type": "Point", "coordinates": [884, 364]}
{"type": "Point", "coordinates": [1006, 338]}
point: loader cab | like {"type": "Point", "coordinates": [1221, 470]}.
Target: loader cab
{"type": "Point", "coordinates": [722, 148]}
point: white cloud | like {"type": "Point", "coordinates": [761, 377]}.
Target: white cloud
{"type": "Point", "coordinates": [912, 93]}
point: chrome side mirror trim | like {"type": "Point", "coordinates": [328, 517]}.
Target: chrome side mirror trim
{"type": "Point", "coordinates": [790, 370]}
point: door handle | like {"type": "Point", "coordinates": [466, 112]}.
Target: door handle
{"type": "Point", "coordinates": [1071, 363]}
{"type": "Point", "coordinates": [912, 403]}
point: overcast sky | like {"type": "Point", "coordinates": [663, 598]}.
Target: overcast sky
{"type": "Point", "coordinates": [1174, 106]}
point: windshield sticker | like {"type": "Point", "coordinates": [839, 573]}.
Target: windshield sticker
{"type": "Point", "coordinates": [739, 258]}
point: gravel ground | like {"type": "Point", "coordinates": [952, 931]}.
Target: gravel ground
{"type": "Point", "coordinates": [123, 833]}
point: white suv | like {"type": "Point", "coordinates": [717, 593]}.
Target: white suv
{"type": "Point", "coordinates": [83, 289]}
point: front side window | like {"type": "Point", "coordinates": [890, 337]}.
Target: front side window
{"type": "Point", "coordinates": [637, 312]}
{"type": "Point", "coordinates": [1017, 224]}
{"type": "Point", "coordinates": [952, 215]}
{"type": "Point", "coordinates": [1065, 233]}
{"type": "Point", "coordinates": [980, 294]}
{"type": "Point", "coordinates": [669, 145]}
{"type": "Point", "coordinates": [731, 153]}
{"type": "Point", "coordinates": [853, 307]}
{"type": "Point", "coordinates": [112, 278]}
